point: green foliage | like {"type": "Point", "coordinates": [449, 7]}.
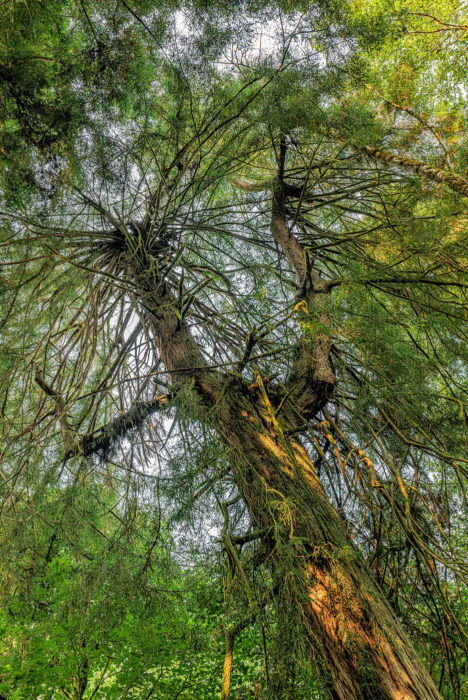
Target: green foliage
{"type": "Point", "coordinates": [126, 129]}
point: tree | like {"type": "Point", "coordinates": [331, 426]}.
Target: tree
{"type": "Point", "coordinates": [270, 252]}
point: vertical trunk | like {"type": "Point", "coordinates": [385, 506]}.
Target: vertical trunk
{"type": "Point", "coordinates": [346, 617]}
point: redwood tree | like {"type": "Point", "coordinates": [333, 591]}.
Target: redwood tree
{"type": "Point", "coordinates": [267, 250]}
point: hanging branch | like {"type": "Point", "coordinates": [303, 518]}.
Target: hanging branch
{"type": "Point", "coordinates": [60, 410]}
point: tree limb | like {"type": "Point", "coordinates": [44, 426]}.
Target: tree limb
{"type": "Point", "coordinates": [105, 437]}
{"type": "Point", "coordinates": [456, 182]}
{"type": "Point", "coordinates": [312, 379]}
{"type": "Point", "coordinates": [60, 410]}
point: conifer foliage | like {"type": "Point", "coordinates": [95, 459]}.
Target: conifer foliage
{"type": "Point", "coordinates": [233, 349]}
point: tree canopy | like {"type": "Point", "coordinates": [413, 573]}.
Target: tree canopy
{"type": "Point", "coordinates": [233, 349]}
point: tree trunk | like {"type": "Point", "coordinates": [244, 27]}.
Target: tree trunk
{"type": "Point", "coordinates": [345, 614]}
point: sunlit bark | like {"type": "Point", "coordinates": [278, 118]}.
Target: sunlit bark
{"type": "Point", "coordinates": [345, 614]}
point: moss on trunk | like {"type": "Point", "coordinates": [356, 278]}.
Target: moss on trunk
{"type": "Point", "coordinates": [346, 616]}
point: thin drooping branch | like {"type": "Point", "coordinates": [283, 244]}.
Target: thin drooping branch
{"type": "Point", "coordinates": [60, 410]}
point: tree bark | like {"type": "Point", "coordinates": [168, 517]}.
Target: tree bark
{"type": "Point", "coordinates": [346, 616]}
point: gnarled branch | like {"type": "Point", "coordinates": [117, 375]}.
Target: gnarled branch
{"type": "Point", "coordinates": [105, 437]}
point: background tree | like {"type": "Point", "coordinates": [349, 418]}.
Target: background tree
{"type": "Point", "coordinates": [249, 290]}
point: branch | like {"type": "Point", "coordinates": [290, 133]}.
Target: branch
{"type": "Point", "coordinates": [105, 437]}
{"type": "Point", "coordinates": [312, 379]}
{"type": "Point", "coordinates": [294, 191]}
{"type": "Point", "coordinates": [250, 537]}
{"type": "Point", "coordinates": [230, 635]}
{"type": "Point", "coordinates": [252, 339]}
{"type": "Point", "coordinates": [60, 410]}
{"type": "Point", "coordinates": [178, 349]}
{"type": "Point", "coordinates": [456, 182]}
{"type": "Point", "coordinates": [254, 185]}
{"type": "Point", "coordinates": [283, 236]}
{"type": "Point", "coordinates": [398, 280]}
{"type": "Point", "coordinates": [418, 117]}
